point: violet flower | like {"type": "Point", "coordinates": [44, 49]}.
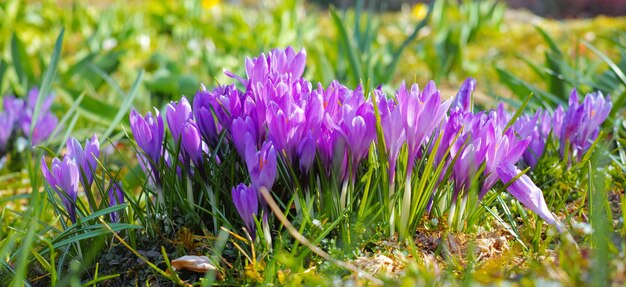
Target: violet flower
{"type": "Point", "coordinates": [306, 152]}
{"type": "Point", "coordinates": [63, 177]}
{"type": "Point", "coordinates": [421, 113]}
{"type": "Point", "coordinates": [536, 128]}
{"type": "Point", "coordinates": [358, 127]}
{"type": "Point", "coordinates": [393, 131]}
{"type": "Point", "coordinates": [177, 114]}
{"type": "Point", "coordinates": [86, 159]}
{"type": "Point", "coordinates": [46, 122]}
{"type": "Point", "coordinates": [192, 143]}
{"type": "Point", "coordinates": [116, 196]}
{"type": "Point", "coordinates": [247, 204]}
{"type": "Point", "coordinates": [505, 148]}
{"type": "Point", "coordinates": [578, 127]}
{"type": "Point", "coordinates": [204, 117]}
{"type": "Point", "coordinates": [6, 129]}
{"type": "Point", "coordinates": [227, 103]}
{"type": "Point", "coordinates": [285, 128]}
{"type": "Point", "coordinates": [242, 129]}
{"type": "Point", "coordinates": [463, 99]}
{"type": "Point", "coordinates": [261, 164]}
{"type": "Point", "coordinates": [277, 63]}
{"type": "Point", "coordinates": [149, 132]}
{"type": "Point", "coordinates": [524, 190]}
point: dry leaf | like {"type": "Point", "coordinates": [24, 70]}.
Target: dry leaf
{"type": "Point", "coordinates": [199, 264]}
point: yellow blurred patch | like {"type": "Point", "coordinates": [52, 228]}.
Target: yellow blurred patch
{"type": "Point", "coordinates": [208, 4]}
{"type": "Point", "coordinates": [419, 11]}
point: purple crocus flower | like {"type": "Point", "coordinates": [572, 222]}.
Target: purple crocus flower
{"type": "Point", "coordinates": [306, 152]}
{"type": "Point", "coordinates": [247, 204]}
{"type": "Point", "coordinates": [595, 110]}
{"type": "Point", "coordinates": [31, 102]}
{"type": "Point", "coordinates": [192, 143]}
{"type": "Point", "coordinates": [14, 107]}
{"type": "Point", "coordinates": [471, 148]}
{"type": "Point", "coordinates": [330, 144]}
{"type": "Point", "coordinates": [178, 113]}
{"type": "Point", "coordinates": [536, 128]}
{"type": "Point", "coordinates": [463, 99]}
{"type": "Point", "coordinates": [524, 190]}
{"type": "Point", "coordinates": [227, 103]}
{"type": "Point", "coordinates": [393, 132]}
{"type": "Point", "coordinates": [261, 164]}
{"type": "Point", "coordinates": [277, 63]}
{"type": "Point", "coordinates": [149, 132]}
{"type": "Point", "coordinates": [578, 127]}
{"type": "Point", "coordinates": [86, 159]}
{"type": "Point", "coordinates": [421, 113]}
{"type": "Point", "coordinates": [116, 196]}
{"type": "Point", "coordinates": [6, 129]}
{"type": "Point", "coordinates": [358, 127]}
{"type": "Point", "coordinates": [242, 129]}
{"type": "Point", "coordinates": [46, 122]}
{"type": "Point", "coordinates": [43, 128]}
{"type": "Point", "coordinates": [503, 149]}
{"type": "Point", "coordinates": [285, 128]}
{"type": "Point", "coordinates": [204, 117]}
{"type": "Point", "coordinates": [63, 177]}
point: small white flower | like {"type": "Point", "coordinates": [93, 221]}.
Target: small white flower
{"type": "Point", "coordinates": [144, 41]}
{"type": "Point", "coordinates": [108, 44]}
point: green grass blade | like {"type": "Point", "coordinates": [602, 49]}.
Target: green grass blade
{"type": "Point", "coordinates": [123, 110]}
{"type": "Point", "coordinates": [618, 102]}
{"type": "Point", "coordinates": [20, 61]}
{"type": "Point", "coordinates": [346, 41]}
{"type": "Point", "coordinates": [518, 113]}
{"type": "Point", "coordinates": [49, 76]}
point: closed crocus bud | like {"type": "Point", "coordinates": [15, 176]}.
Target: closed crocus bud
{"type": "Point", "coordinates": [116, 196]}
{"type": "Point", "coordinates": [63, 177]}
{"type": "Point", "coordinates": [524, 190]}
{"type": "Point", "coordinates": [86, 159]}
{"type": "Point", "coordinates": [241, 130]}
{"type": "Point", "coordinates": [463, 99]}
{"type": "Point", "coordinates": [177, 114]}
{"type": "Point", "coordinates": [358, 127]}
{"type": "Point", "coordinates": [557, 122]}
{"type": "Point", "coordinates": [192, 142]}
{"type": "Point", "coordinates": [204, 117]}
{"type": "Point", "coordinates": [148, 132]}
{"type": "Point", "coordinates": [306, 153]}
{"type": "Point", "coordinates": [395, 138]}
{"type": "Point", "coordinates": [247, 205]}
{"type": "Point", "coordinates": [261, 164]}
{"type": "Point", "coordinates": [595, 110]}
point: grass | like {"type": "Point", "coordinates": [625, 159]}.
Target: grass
{"type": "Point", "coordinates": [100, 67]}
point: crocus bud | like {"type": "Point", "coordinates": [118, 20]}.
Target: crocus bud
{"type": "Point", "coordinates": [63, 177]}
{"type": "Point", "coordinates": [247, 204]}
{"type": "Point", "coordinates": [86, 159]}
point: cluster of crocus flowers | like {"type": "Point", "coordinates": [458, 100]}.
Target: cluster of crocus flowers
{"type": "Point", "coordinates": [575, 128]}
{"type": "Point", "coordinates": [77, 168]}
{"type": "Point", "coordinates": [17, 118]}
{"type": "Point", "coordinates": [280, 118]}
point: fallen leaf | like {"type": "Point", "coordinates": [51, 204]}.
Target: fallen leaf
{"type": "Point", "coordinates": [200, 264]}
